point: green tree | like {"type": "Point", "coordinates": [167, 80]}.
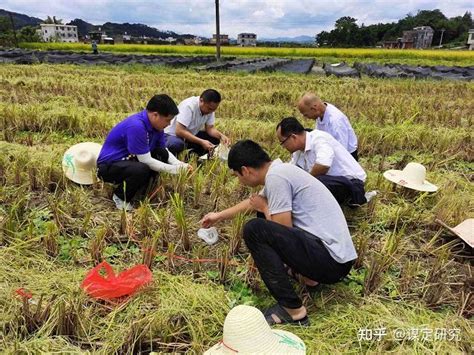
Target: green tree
{"type": "Point", "coordinates": [53, 20]}
{"type": "Point", "coordinates": [7, 38]}
{"type": "Point", "coordinates": [29, 34]}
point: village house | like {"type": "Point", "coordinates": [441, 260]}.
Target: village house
{"type": "Point", "coordinates": [52, 32]}
{"type": "Point", "coordinates": [224, 39]}
{"type": "Point", "coordinates": [247, 39]}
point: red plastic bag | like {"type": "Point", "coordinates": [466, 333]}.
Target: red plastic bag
{"type": "Point", "coordinates": [113, 286]}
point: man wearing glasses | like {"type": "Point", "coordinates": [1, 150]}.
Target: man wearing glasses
{"type": "Point", "coordinates": [319, 154]}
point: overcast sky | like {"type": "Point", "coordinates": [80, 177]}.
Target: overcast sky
{"type": "Point", "coordinates": [266, 18]}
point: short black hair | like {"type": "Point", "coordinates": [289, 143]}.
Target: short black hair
{"type": "Point", "coordinates": [246, 153]}
{"type": "Point", "coordinates": [163, 104]}
{"type": "Point", "coordinates": [211, 95]}
{"type": "Point", "coordinates": [290, 125]}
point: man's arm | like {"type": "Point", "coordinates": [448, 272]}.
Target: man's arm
{"type": "Point", "coordinates": [260, 203]}
{"type": "Point", "coordinates": [214, 132]}
{"type": "Point", "coordinates": [183, 132]}
{"type": "Point", "coordinates": [319, 169]}
{"type": "Point", "coordinates": [214, 217]}
{"type": "Point", "coordinates": [283, 218]}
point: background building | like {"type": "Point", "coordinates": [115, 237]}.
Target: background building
{"type": "Point", "coordinates": [51, 32]}
{"type": "Point", "coordinates": [470, 40]}
{"type": "Point", "coordinates": [247, 39]}
{"type": "Point", "coordinates": [224, 39]}
{"type": "Point", "coordinates": [419, 38]}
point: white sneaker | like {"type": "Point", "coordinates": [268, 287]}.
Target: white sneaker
{"type": "Point", "coordinates": [370, 195]}
{"type": "Point", "coordinates": [122, 205]}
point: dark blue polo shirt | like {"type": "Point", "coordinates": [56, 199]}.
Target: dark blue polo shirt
{"type": "Point", "coordinates": [134, 135]}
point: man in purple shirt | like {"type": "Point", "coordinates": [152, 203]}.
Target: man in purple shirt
{"type": "Point", "coordinates": [134, 150]}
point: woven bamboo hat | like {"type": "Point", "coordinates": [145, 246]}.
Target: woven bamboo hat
{"type": "Point", "coordinates": [80, 162]}
{"type": "Point", "coordinates": [412, 176]}
{"type": "Point", "coordinates": [247, 332]}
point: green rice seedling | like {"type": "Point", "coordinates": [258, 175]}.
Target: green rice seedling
{"type": "Point", "coordinates": [362, 245]}
{"type": "Point", "coordinates": [408, 275]}
{"type": "Point", "coordinates": [29, 321]}
{"type": "Point", "coordinates": [251, 278]}
{"type": "Point", "coordinates": [224, 264]}
{"type": "Point", "coordinates": [198, 182]}
{"type": "Point", "coordinates": [86, 223]}
{"type": "Point", "coordinates": [124, 223]}
{"type": "Point", "coordinates": [50, 239]}
{"type": "Point", "coordinates": [180, 218]}
{"type": "Point", "coordinates": [32, 174]}
{"type": "Point", "coordinates": [436, 278]}
{"type": "Point", "coordinates": [163, 217]}
{"type": "Point", "coordinates": [381, 261]}
{"type": "Point", "coordinates": [67, 319]}
{"type": "Point", "coordinates": [199, 252]}
{"type": "Point", "coordinates": [97, 245]}
{"type": "Point", "coordinates": [170, 257]}
{"type": "Point", "coordinates": [236, 233]}
{"type": "Point", "coordinates": [143, 219]}
{"type": "Point", "coordinates": [149, 248]}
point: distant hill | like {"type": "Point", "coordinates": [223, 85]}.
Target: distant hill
{"type": "Point", "coordinates": [83, 27]}
{"type": "Point", "coordinates": [111, 29]}
{"type": "Point", "coordinates": [21, 20]}
{"type": "Point", "coordinates": [299, 39]}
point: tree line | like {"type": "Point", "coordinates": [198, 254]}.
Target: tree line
{"type": "Point", "coordinates": [347, 33]}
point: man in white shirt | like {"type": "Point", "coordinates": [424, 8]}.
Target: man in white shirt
{"type": "Point", "coordinates": [193, 128]}
{"type": "Point", "coordinates": [329, 119]}
{"type": "Point", "coordinates": [304, 230]}
{"type": "Point", "coordinates": [322, 156]}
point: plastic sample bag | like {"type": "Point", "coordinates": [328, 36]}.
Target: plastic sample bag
{"type": "Point", "coordinates": [113, 285]}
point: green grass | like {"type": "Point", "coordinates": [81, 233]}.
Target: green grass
{"type": "Point", "coordinates": [52, 231]}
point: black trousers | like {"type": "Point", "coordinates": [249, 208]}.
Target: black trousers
{"type": "Point", "coordinates": [355, 155]}
{"type": "Point", "coordinates": [176, 144]}
{"type": "Point", "coordinates": [344, 190]}
{"type": "Point", "coordinates": [273, 245]}
{"type": "Point", "coordinates": [130, 175]}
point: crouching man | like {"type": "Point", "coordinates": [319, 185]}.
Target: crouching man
{"type": "Point", "coordinates": [321, 155]}
{"type": "Point", "coordinates": [134, 150]}
{"type": "Point", "coordinates": [193, 128]}
{"type": "Point", "coordinates": [304, 231]}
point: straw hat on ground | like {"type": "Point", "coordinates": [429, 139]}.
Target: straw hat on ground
{"type": "Point", "coordinates": [412, 177]}
{"type": "Point", "coordinates": [247, 332]}
{"type": "Point", "coordinates": [80, 162]}
{"type": "Point", "coordinates": [464, 230]}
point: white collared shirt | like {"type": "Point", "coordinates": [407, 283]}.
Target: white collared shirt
{"type": "Point", "coordinates": [321, 148]}
{"type": "Point", "coordinates": [190, 116]}
{"type": "Point", "coordinates": [337, 125]}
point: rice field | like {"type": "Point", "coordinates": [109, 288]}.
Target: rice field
{"type": "Point", "coordinates": [350, 55]}
{"type": "Point", "coordinates": [411, 275]}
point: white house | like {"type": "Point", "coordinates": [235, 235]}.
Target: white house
{"type": "Point", "coordinates": [52, 32]}
{"type": "Point", "coordinates": [247, 39]}
{"type": "Point", "coordinates": [470, 40]}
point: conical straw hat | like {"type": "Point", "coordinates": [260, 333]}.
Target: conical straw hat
{"type": "Point", "coordinates": [247, 332]}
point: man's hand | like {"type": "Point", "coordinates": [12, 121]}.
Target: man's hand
{"type": "Point", "coordinates": [259, 203]}
{"type": "Point", "coordinates": [210, 219]}
{"type": "Point", "coordinates": [207, 145]}
{"type": "Point", "coordinates": [186, 167]}
{"type": "Point", "coordinates": [225, 140]}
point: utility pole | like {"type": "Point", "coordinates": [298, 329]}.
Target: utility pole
{"type": "Point", "coordinates": [218, 34]}
{"type": "Point", "coordinates": [441, 39]}
{"type": "Point", "coordinates": [13, 29]}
